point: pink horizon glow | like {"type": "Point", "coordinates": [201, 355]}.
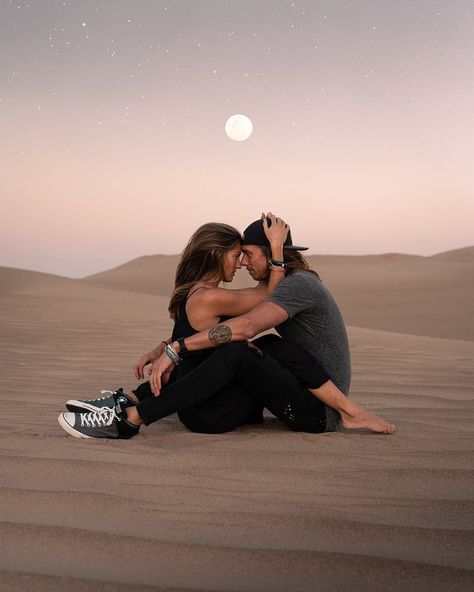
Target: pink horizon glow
{"type": "Point", "coordinates": [363, 128]}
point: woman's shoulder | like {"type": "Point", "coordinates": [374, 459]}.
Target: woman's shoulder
{"type": "Point", "coordinates": [201, 292]}
{"type": "Point", "coordinates": [209, 295]}
{"type": "Point", "coordinates": [203, 298]}
{"type": "Point", "coordinates": [202, 308]}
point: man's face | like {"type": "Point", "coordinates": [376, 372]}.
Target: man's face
{"type": "Point", "coordinates": [232, 263]}
{"type": "Point", "coordinates": [255, 261]}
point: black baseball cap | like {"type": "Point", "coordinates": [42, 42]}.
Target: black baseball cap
{"type": "Point", "coordinates": [255, 235]}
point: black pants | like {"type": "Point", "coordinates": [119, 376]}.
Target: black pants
{"type": "Point", "coordinates": [233, 384]}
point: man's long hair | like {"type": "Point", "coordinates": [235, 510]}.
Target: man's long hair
{"type": "Point", "coordinates": [202, 260]}
{"type": "Point", "coordinates": [293, 260]}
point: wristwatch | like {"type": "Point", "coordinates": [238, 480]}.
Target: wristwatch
{"type": "Point", "coordinates": [182, 345]}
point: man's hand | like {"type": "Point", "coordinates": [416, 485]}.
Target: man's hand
{"type": "Point", "coordinates": [277, 232]}
{"type": "Point", "coordinates": [160, 373]}
{"type": "Point", "coordinates": [146, 359]}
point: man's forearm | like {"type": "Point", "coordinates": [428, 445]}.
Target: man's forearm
{"type": "Point", "coordinates": [236, 329]}
{"type": "Point", "coordinates": [262, 317]}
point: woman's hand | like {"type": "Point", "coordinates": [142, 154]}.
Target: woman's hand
{"type": "Point", "coordinates": [160, 373]}
{"type": "Point", "coordinates": [277, 232]}
{"type": "Point", "coordinates": [146, 359]}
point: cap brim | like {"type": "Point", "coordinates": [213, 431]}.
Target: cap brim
{"type": "Point", "coordinates": [295, 248]}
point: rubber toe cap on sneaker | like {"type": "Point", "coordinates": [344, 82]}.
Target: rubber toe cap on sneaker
{"type": "Point", "coordinates": [66, 417]}
{"type": "Point", "coordinates": [67, 421]}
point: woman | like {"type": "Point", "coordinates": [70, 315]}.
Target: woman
{"type": "Point", "coordinates": [197, 302]}
{"type": "Point", "coordinates": [211, 256]}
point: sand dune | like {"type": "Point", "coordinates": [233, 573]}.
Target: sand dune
{"type": "Point", "coordinates": [407, 294]}
{"type": "Point", "coordinates": [256, 509]}
{"type": "Point", "coordinates": [14, 280]}
{"type": "Point", "coordinates": [151, 274]}
{"type": "Point", "coordinates": [403, 293]}
{"type": "Point", "coordinates": [464, 254]}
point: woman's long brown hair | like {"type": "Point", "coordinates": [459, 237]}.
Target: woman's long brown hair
{"type": "Point", "coordinates": [202, 260]}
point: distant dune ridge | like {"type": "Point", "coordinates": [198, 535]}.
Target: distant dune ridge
{"type": "Point", "coordinates": [465, 254]}
{"type": "Point", "coordinates": [150, 274]}
{"type": "Point", "coordinates": [392, 292]}
{"type": "Point", "coordinates": [261, 508]}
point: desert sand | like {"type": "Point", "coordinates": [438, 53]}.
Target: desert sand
{"type": "Point", "coordinates": [261, 508]}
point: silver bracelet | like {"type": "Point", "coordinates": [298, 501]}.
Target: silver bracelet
{"type": "Point", "coordinates": [172, 355]}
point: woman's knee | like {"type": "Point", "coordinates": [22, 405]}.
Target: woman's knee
{"type": "Point", "coordinates": [235, 353]}
{"type": "Point", "coordinates": [232, 348]}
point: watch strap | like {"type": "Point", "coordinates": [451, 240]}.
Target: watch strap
{"type": "Point", "coordinates": [182, 345]}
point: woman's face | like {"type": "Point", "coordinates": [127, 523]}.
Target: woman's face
{"type": "Point", "coordinates": [232, 262]}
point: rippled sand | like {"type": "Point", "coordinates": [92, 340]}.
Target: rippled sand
{"type": "Point", "coordinates": [257, 509]}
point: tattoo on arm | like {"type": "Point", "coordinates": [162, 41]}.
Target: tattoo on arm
{"type": "Point", "coordinates": [220, 334]}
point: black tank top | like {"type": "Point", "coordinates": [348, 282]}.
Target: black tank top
{"type": "Point", "coordinates": [183, 328]}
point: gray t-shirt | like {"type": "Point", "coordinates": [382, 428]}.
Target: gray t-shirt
{"type": "Point", "coordinates": [316, 323]}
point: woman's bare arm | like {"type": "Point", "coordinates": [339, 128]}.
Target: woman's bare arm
{"type": "Point", "coordinates": [228, 302]}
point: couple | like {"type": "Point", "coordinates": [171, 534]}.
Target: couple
{"type": "Point", "coordinates": [210, 374]}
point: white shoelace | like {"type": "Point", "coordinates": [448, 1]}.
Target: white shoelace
{"type": "Point", "coordinates": [103, 392]}
{"type": "Point", "coordinates": [98, 419]}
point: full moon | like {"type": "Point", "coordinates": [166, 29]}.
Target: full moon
{"type": "Point", "coordinates": [238, 127]}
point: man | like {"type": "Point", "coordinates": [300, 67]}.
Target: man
{"type": "Point", "coordinates": [301, 309]}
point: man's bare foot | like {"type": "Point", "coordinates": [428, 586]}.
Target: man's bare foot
{"type": "Point", "coordinates": [361, 419]}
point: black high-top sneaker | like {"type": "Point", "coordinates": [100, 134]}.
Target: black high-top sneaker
{"type": "Point", "coordinates": [114, 397]}
{"type": "Point", "coordinates": [109, 422]}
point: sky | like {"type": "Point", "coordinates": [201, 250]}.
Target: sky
{"type": "Point", "coordinates": [112, 120]}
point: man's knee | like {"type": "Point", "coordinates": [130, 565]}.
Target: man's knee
{"type": "Point", "coordinates": [266, 341]}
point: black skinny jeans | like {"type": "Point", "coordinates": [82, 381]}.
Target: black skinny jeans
{"type": "Point", "coordinates": [278, 381]}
